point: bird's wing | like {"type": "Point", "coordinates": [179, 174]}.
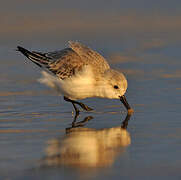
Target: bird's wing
{"type": "Point", "coordinates": [65, 63]}
{"type": "Point", "coordinates": [89, 55]}
{"type": "Point", "coordinates": [69, 61]}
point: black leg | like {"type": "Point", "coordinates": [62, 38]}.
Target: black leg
{"type": "Point", "coordinates": [76, 109]}
{"type": "Point", "coordinates": [73, 103]}
{"type": "Point", "coordinates": [83, 106]}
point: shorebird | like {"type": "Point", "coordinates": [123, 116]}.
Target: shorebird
{"type": "Point", "coordinates": [78, 72]}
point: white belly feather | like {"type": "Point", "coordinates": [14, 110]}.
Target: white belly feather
{"type": "Point", "coordinates": [79, 86]}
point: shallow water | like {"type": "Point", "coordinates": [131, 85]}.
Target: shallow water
{"type": "Point", "coordinates": [37, 139]}
{"type": "Point", "coordinates": [33, 121]}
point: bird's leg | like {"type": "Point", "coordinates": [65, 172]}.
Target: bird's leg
{"type": "Point", "coordinates": [75, 117]}
{"type": "Point", "coordinates": [73, 103]}
{"type": "Point", "coordinates": [76, 109]}
{"type": "Point", "coordinates": [83, 106]}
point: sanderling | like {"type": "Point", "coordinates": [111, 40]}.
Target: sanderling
{"type": "Point", "coordinates": [78, 72]}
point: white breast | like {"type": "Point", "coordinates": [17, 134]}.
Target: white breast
{"type": "Point", "coordinates": [79, 86]}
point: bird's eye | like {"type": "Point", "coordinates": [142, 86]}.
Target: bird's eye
{"type": "Point", "coordinates": [116, 87]}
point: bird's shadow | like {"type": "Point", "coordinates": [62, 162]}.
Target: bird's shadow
{"type": "Point", "coordinates": [76, 124]}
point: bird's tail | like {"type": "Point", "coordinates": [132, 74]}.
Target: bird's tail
{"type": "Point", "coordinates": [38, 58]}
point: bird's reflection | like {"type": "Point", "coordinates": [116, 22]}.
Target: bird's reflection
{"type": "Point", "coordinates": [87, 147]}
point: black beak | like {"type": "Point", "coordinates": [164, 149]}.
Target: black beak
{"type": "Point", "coordinates": [124, 101]}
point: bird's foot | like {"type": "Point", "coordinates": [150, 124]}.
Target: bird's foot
{"type": "Point", "coordinates": [85, 107]}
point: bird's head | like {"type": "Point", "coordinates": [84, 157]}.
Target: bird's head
{"type": "Point", "coordinates": [115, 85]}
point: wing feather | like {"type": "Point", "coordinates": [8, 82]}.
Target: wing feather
{"type": "Point", "coordinates": [89, 55]}
{"type": "Point", "coordinates": [67, 62]}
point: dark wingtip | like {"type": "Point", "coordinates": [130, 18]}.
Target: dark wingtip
{"type": "Point", "coordinates": [23, 51]}
{"type": "Point", "coordinates": [18, 48]}
{"type": "Point", "coordinates": [27, 54]}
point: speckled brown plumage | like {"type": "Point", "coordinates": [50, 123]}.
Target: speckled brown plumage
{"type": "Point", "coordinates": [67, 62]}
